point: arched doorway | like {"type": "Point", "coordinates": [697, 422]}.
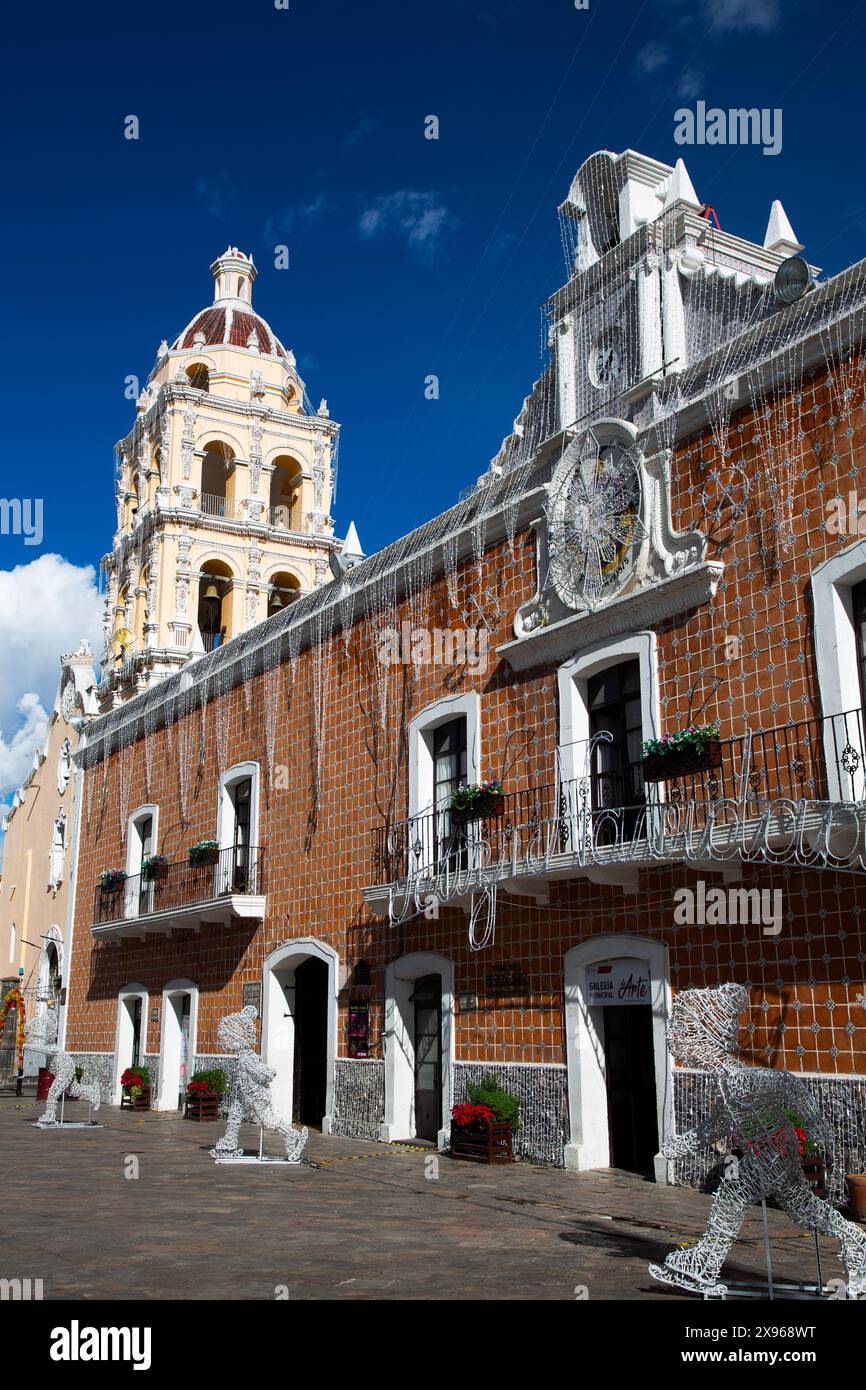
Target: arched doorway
{"type": "Point", "coordinates": [131, 1034]}
{"type": "Point", "coordinates": [620, 1076]}
{"type": "Point", "coordinates": [177, 1042]}
{"type": "Point", "coordinates": [419, 1048]}
{"type": "Point", "coordinates": [299, 1029]}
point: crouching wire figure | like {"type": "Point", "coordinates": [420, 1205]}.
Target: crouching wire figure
{"type": "Point", "coordinates": [41, 1035]}
{"type": "Point", "coordinates": [250, 1092]}
{"type": "Point", "coordinates": [753, 1111]}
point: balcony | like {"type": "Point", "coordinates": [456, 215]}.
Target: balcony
{"type": "Point", "coordinates": [189, 896]}
{"type": "Point", "coordinates": [793, 795]}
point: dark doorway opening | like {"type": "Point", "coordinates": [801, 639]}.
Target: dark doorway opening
{"type": "Point", "coordinates": [135, 1060]}
{"type": "Point", "coordinates": [617, 780]}
{"type": "Point", "coordinates": [311, 1042]}
{"type": "Point", "coordinates": [427, 1000]}
{"type": "Point", "coordinates": [631, 1089]}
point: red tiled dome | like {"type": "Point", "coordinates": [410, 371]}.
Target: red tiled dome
{"type": "Point", "coordinates": [231, 326]}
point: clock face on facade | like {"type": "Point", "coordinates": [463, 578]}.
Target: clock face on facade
{"type": "Point", "coordinates": [594, 520]}
{"type": "Point", "coordinates": [606, 358]}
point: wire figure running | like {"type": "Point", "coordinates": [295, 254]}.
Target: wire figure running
{"type": "Point", "coordinates": [752, 1111]}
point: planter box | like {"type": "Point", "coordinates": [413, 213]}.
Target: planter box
{"type": "Point", "coordinates": [199, 1107]}
{"type": "Point", "coordinates": [139, 1102]}
{"type": "Point", "coordinates": [112, 891]}
{"type": "Point", "coordinates": [491, 804]}
{"type": "Point", "coordinates": [856, 1184]}
{"type": "Point", "coordinates": [210, 856]}
{"type": "Point", "coordinates": [662, 767]}
{"type": "Point", "coordinates": [490, 1143]}
{"type": "Point", "coordinates": [155, 875]}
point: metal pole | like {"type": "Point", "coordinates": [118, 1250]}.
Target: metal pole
{"type": "Point", "coordinates": [261, 1141]}
{"type": "Point", "coordinates": [767, 1249]}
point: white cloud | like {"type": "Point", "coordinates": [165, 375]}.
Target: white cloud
{"type": "Point", "coordinates": [743, 14]}
{"type": "Point", "coordinates": [46, 608]}
{"type": "Point", "coordinates": [691, 84]}
{"type": "Point", "coordinates": [652, 56]}
{"type": "Point", "coordinates": [419, 216]}
{"type": "Point", "coordinates": [16, 756]}
{"type": "Point", "coordinates": [290, 218]}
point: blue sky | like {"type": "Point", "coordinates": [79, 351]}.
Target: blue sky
{"type": "Point", "coordinates": [409, 256]}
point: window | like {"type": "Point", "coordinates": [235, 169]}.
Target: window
{"type": "Point", "coordinates": [141, 844]}
{"type": "Point", "coordinates": [449, 773]}
{"type": "Point", "coordinates": [58, 851]}
{"type": "Point", "coordinates": [199, 377]}
{"type": "Point", "coordinates": [858, 598]}
{"type": "Point", "coordinates": [237, 829]}
{"type": "Point", "coordinates": [614, 702]}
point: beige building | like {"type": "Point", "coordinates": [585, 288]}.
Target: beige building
{"type": "Point", "coordinates": [38, 852]}
{"type": "Point", "coordinates": [224, 488]}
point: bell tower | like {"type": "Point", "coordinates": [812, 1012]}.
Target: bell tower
{"type": "Point", "coordinates": [223, 492]}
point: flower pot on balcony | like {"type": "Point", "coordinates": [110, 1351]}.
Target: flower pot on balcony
{"type": "Point", "coordinates": [485, 805]}
{"type": "Point", "coordinates": [198, 858]}
{"type": "Point", "coordinates": [856, 1184]}
{"type": "Point", "coordinates": [486, 1141]}
{"type": "Point", "coordinates": [154, 873]}
{"type": "Point", "coordinates": [679, 762]}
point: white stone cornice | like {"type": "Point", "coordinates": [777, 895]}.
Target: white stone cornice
{"type": "Point", "coordinates": [642, 608]}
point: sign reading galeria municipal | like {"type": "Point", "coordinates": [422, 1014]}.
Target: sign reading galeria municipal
{"type": "Point", "coordinates": [622, 981]}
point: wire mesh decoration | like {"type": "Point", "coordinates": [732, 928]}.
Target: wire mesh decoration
{"type": "Point", "coordinates": [757, 1113]}
{"type": "Point", "coordinates": [250, 1090]}
{"type": "Point", "coordinates": [40, 1034]}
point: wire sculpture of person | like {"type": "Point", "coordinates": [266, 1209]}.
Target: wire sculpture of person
{"type": "Point", "coordinates": [757, 1110]}
{"type": "Point", "coordinates": [250, 1089]}
{"type": "Point", "coordinates": [40, 1034]}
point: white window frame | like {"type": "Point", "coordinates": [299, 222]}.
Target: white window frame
{"type": "Point", "coordinates": [135, 853]}
{"type": "Point", "coordinates": [837, 660]}
{"type": "Point", "coordinates": [573, 679]}
{"type": "Point", "coordinates": [225, 832]}
{"type": "Point", "coordinates": [421, 762]}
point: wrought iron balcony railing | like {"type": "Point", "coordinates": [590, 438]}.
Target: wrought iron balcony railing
{"type": "Point", "coordinates": [237, 871]}
{"type": "Point", "coordinates": [816, 763]}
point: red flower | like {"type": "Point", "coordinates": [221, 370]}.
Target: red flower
{"type": "Point", "coordinates": [131, 1078]}
{"type": "Point", "coordinates": [464, 1116]}
{"type": "Point", "coordinates": [198, 1088]}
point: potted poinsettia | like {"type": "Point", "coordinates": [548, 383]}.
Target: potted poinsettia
{"type": "Point", "coordinates": [135, 1088]}
{"type": "Point", "coordinates": [811, 1161]}
{"type": "Point", "coordinates": [477, 801]}
{"type": "Point", "coordinates": [154, 868]}
{"type": "Point", "coordinates": [689, 750]}
{"type": "Point", "coordinates": [203, 1094]}
{"type": "Point", "coordinates": [112, 880]}
{"type": "Point", "coordinates": [204, 852]}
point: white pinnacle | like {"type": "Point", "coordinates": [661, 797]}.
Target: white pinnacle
{"type": "Point", "coordinates": [352, 545]}
{"type": "Point", "coordinates": [681, 188]}
{"type": "Point", "coordinates": [780, 235]}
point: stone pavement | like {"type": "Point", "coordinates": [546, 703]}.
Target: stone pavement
{"type": "Point", "coordinates": [367, 1224]}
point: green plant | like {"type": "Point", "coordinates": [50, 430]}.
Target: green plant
{"type": "Point", "coordinates": [214, 1078]}
{"type": "Point", "coordinates": [490, 1091]}
{"type": "Point", "coordinates": [465, 797]}
{"type": "Point", "coordinates": [695, 739]}
{"type": "Point", "coordinates": [202, 851]}
{"type": "Point", "coordinates": [79, 1072]}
